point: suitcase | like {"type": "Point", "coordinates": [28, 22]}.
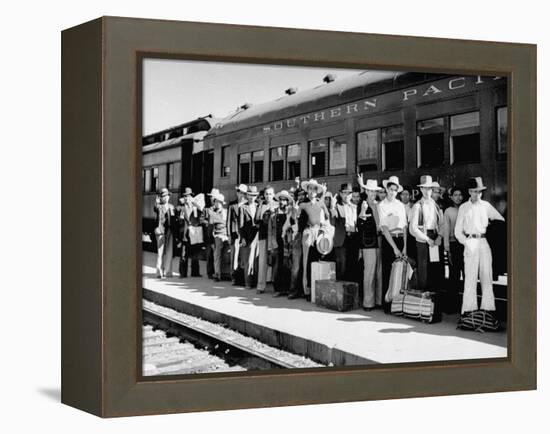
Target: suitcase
{"type": "Point", "coordinates": [421, 305]}
{"type": "Point", "coordinates": [337, 295]}
{"type": "Point", "coordinates": [401, 273]}
{"type": "Point", "coordinates": [321, 270]}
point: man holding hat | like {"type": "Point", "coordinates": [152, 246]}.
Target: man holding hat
{"type": "Point", "coordinates": [426, 226]}
{"type": "Point", "coordinates": [164, 233]}
{"type": "Point", "coordinates": [248, 234]}
{"type": "Point", "coordinates": [190, 232]}
{"type": "Point", "coordinates": [218, 221]}
{"type": "Point", "coordinates": [471, 225]}
{"type": "Point", "coordinates": [233, 234]}
{"type": "Point", "coordinates": [393, 222]}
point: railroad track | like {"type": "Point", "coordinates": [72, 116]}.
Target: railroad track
{"type": "Point", "coordinates": [176, 343]}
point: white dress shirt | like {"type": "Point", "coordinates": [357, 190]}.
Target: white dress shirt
{"type": "Point", "coordinates": [392, 215]}
{"type": "Point", "coordinates": [473, 219]}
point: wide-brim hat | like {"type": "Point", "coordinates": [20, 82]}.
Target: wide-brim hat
{"type": "Point", "coordinates": [346, 188]}
{"type": "Point", "coordinates": [393, 180]}
{"type": "Point", "coordinates": [438, 187]}
{"type": "Point", "coordinates": [284, 194]}
{"type": "Point", "coordinates": [187, 192]}
{"type": "Point", "coordinates": [219, 197]}
{"type": "Point", "coordinates": [164, 192]}
{"type": "Point", "coordinates": [242, 188]}
{"type": "Point", "coordinates": [426, 181]}
{"type": "Point", "coordinates": [324, 244]}
{"type": "Point", "coordinates": [252, 190]}
{"type": "Point", "coordinates": [313, 183]}
{"type": "Point", "coordinates": [475, 184]}
{"type": "Point", "coordinates": [213, 192]}
{"type": "Point", "coordinates": [372, 185]}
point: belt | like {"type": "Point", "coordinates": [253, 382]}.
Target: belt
{"type": "Point", "coordinates": [397, 235]}
{"type": "Point", "coordinates": [475, 235]}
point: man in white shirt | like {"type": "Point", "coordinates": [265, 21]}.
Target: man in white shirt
{"type": "Point", "coordinates": [471, 225]}
{"type": "Point", "coordinates": [426, 226]}
{"type": "Point", "coordinates": [393, 222]}
{"type": "Point", "coordinates": [454, 250]}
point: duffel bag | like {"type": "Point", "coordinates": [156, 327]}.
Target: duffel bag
{"type": "Point", "coordinates": [420, 305]}
{"type": "Point", "coordinates": [401, 272]}
{"type": "Point", "coordinates": [479, 321]}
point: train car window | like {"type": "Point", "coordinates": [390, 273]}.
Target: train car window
{"type": "Point", "coordinates": [465, 140]}
{"type": "Point", "coordinates": [225, 168]}
{"type": "Point", "coordinates": [293, 158]}
{"type": "Point", "coordinates": [502, 130]}
{"type": "Point", "coordinates": [174, 175]}
{"type": "Point", "coordinates": [367, 150]}
{"type": "Point", "coordinates": [318, 150]}
{"type": "Point", "coordinates": [430, 141]}
{"type": "Point", "coordinates": [147, 179]}
{"type": "Point", "coordinates": [244, 168]}
{"type": "Point", "coordinates": [258, 166]}
{"type": "Point", "coordinates": [278, 163]}
{"type": "Point", "coordinates": [337, 156]}
{"type": "Point", "coordinates": [154, 179]}
{"type": "Point", "coordinates": [393, 148]}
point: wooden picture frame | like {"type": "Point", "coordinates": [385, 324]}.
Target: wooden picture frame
{"type": "Point", "coordinates": [101, 238]}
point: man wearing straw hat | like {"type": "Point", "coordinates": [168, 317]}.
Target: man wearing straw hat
{"type": "Point", "coordinates": [164, 233]}
{"type": "Point", "coordinates": [218, 221]}
{"type": "Point", "coordinates": [233, 234]}
{"type": "Point", "coordinates": [248, 232]}
{"type": "Point", "coordinates": [189, 217]}
{"type": "Point", "coordinates": [317, 218]}
{"type": "Point", "coordinates": [426, 226]}
{"type": "Point", "coordinates": [368, 224]}
{"type": "Point", "coordinates": [208, 237]}
{"type": "Point", "coordinates": [393, 222]}
{"type": "Point", "coordinates": [471, 225]}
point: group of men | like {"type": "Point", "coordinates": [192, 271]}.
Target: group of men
{"type": "Point", "coordinates": [276, 236]}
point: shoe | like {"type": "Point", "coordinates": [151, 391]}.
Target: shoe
{"type": "Point", "coordinates": [308, 297]}
{"type": "Point", "coordinates": [169, 275]}
{"type": "Point", "coordinates": [260, 291]}
{"type": "Point", "coordinates": [368, 309]}
{"type": "Point", "coordinates": [195, 275]}
{"type": "Point", "coordinates": [279, 294]}
{"type": "Point", "coordinates": [294, 295]}
{"type": "Point", "coordinates": [216, 279]}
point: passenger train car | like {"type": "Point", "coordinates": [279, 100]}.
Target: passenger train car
{"type": "Point", "coordinates": [376, 123]}
{"type": "Point", "coordinates": [174, 158]}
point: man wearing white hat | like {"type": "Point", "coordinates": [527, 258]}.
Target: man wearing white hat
{"type": "Point", "coordinates": [368, 224]}
{"type": "Point", "coordinates": [164, 233]}
{"type": "Point", "coordinates": [218, 221]}
{"type": "Point", "coordinates": [208, 236]}
{"type": "Point", "coordinates": [393, 222]}
{"type": "Point", "coordinates": [426, 226]}
{"type": "Point", "coordinates": [317, 216]}
{"type": "Point", "coordinates": [279, 238]}
{"type": "Point", "coordinates": [237, 276]}
{"type": "Point", "coordinates": [471, 225]}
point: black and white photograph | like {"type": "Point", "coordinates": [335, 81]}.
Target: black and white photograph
{"type": "Point", "coordinates": [306, 217]}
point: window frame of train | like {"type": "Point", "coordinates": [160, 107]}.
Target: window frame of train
{"type": "Point", "coordinates": [293, 166]}
{"type": "Point", "coordinates": [368, 163]}
{"type": "Point", "coordinates": [473, 130]}
{"type": "Point", "coordinates": [394, 135]}
{"type": "Point", "coordinates": [277, 156]}
{"type": "Point", "coordinates": [430, 142]}
{"type": "Point", "coordinates": [248, 172]}
{"type": "Point", "coordinates": [325, 147]}
{"type": "Point", "coordinates": [225, 163]}
{"type": "Point", "coordinates": [173, 176]}
{"type": "Point", "coordinates": [501, 142]}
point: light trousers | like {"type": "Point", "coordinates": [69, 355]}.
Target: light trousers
{"type": "Point", "coordinates": [478, 263]}
{"type": "Point", "coordinates": [165, 251]}
{"type": "Point", "coordinates": [372, 277]}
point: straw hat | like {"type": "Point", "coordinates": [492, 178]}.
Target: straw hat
{"type": "Point", "coordinates": [393, 180]}
{"type": "Point", "coordinates": [164, 192]}
{"type": "Point", "coordinates": [324, 244]}
{"type": "Point", "coordinates": [313, 183]}
{"type": "Point", "coordinates": [219, 197]}
{"type": "Point", "coordinates": [252, 190]}
{"type": "Point", "coordinates": [213, 192]}
{"type": "Point", "coordinates": [284, 194]}
{"type": "Point", "coordinates": [187, 192]}
{"type": "Point", "coordinates": [372, 184]}
{"type": "Point", "coordinates": [427, 182]}
{"type": "Point", "coordinates": [242, 188]}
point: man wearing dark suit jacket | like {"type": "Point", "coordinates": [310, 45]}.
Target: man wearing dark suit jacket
{"type": "Point", "coordinates": [189, 219]}
{"type": "Point", "coordinates": [248, 231]}
{"type": "Point", "coordinates": [237, 275]}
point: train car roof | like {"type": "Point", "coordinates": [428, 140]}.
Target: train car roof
{"type": "Point", "coordinates": [192, 137]}
{"type": "Point", "coordinates": [355, 87]}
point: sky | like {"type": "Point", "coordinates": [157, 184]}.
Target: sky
{"type": "Point", "coordinates": [177, 91]}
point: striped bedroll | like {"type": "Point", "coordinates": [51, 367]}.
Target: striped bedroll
{"type": "Point", "coordinates": [414, 305]}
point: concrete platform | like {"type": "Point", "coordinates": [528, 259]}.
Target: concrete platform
{"type": "Point", "coordinates": [329, 337]}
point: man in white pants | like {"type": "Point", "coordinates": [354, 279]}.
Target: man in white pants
{"type": "Point", "coordinates": [471, 225]}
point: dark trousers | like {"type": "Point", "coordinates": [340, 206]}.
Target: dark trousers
{"type": "Point", "coordinates": [190, 253]}
{"type": "Point", "coordinates": [210, 260]}
{"type": "Point", "coordinates": [387, 260]}
{"type": "Point", "coordinates": [281, 271]}
{"type": "Point", "coordinates": [347, 257]}
{"type": "Point", "coordinates": [297, 268]}
{"type": "Point", "coordinates": [429, 274]}
{"type": "Point", "coordinates": [456, 269]}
